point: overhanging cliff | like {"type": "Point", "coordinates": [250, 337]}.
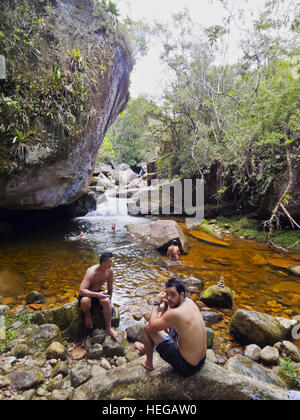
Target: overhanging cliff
{"type": "Point", "coordinates": [68, 67]}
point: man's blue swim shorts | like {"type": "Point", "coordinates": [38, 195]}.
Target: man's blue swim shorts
{"type": "Point", "coordinates": [168, 350]}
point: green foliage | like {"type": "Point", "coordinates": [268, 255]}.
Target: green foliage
{"type": "Point", "coordinates": [20, 143]}
{"type": "Point", "coordinates": [112, 8]}
{"type": "Point", "coordinates": [290, 375]}
{"type": "Point", "coordinates": [14, 326]}
{"type": "Point", "coordinates": [242, 118]}
{"type": "Point", "coordinates": [214, 33]}
{"type": "Point", "coordinates": [106, 152]}
{"type": "Point", "coordinates": [74, 54]}
{"type": "Point", "coordinates": [49, 103]}
{"type": "Point", "coordinates": [132, 134]}
{"type": "Point", "coordinates": [252, 228]}
{"type": "Point", "coordinates": [108, 14]}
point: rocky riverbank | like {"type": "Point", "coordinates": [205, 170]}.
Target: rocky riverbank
{"type": "Point", "coordinates": [40, 361]}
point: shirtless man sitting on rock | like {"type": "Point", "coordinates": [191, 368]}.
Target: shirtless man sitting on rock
{"type": "Point", "coordinates": [184, 346]}
{"type": "Point", "coordinates": [90, 292]}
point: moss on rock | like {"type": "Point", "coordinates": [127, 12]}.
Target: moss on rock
{"type": "Point", "coordinates": [217, 297]}
{"type": "Point", "coordinates": [68, 67]}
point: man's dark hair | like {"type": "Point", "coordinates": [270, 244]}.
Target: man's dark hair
{"type": "Point", "coordinates": [175, 242]}
{"type": "Point", "coordinates": [105, 256]}
{"type": "Point", "coordinates": [178, 283]}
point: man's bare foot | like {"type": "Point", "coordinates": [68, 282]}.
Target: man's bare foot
{"type": "Point", "coordinates": [140, 347]}
{"type": "Point", "coordinates": [148, 366]}
{"type": "Point", "coordinates": [112, 333]}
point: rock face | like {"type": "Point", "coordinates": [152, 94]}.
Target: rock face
{"type": "Point", "coordinates": [251, 327]}
{"type": "Point", "coordinates": [211, 383]}
{"type": "Point", "coordinates": [87, 60]}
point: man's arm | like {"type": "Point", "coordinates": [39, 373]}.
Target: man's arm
{"type": "Point", "coordinates": [169, 251]}
{"type": "Point", "coordinates": [85, 285]}
{"type": "Point", "coordinates": [159, 321]}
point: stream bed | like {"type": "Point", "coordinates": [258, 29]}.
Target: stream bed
{"type": "Point", "coordinates": [53, 261]}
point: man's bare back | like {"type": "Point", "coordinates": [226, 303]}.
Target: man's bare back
{"type": "Point", "coordinates": [184, 347]}
{"type": "Point", "coordinates": [173, 252]}
{"type": "Point", "coordinates": [189, 324]}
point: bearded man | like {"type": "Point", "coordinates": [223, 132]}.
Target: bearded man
{"type": "Point", "coordinates": [184, 346]}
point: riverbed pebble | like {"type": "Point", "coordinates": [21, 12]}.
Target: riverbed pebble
{"type": "Point", "coordinates": [105, 364]}
{"type": "Point", "coordinates": [269, 355]}
{"type": "Point", "coordinates": [252, 352]}
{"type": "Point", "coordinates": [56, 351]}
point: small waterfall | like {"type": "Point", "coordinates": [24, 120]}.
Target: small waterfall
{"type": "Point", "coordinates": [110, 207]}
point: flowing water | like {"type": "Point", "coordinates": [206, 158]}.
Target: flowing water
{"type": "Point", "coordinates": [53, 260]}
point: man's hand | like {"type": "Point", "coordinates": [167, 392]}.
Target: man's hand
{"type": "Point", "coordinates": [102, 295]}
{"type": "Point", "coordinates": [161, 297]}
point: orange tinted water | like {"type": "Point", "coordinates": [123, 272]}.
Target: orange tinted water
{"type": "Point", "coordinates": [51, 263]}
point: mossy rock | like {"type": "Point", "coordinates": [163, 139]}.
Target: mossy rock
{"type": "Point", "coordinates": [70, 319]}
{"type": "Point", "coordinates": [206, 228]}
{"type": "Point", "coordinates": [216, 297]}
{"type": "Point", "coordinates": [40, 337]}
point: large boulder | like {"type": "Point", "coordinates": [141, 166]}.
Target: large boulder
{"type": "Point", "coordinates": [74, 74]}
{"type": "Point", "coordinates": [126, 177]}
{"type": "Point", "coordinates": [251, 327]}
{"type": "Point", "coordinates": [160, 234]}
{"type": "Point", "coordinates": [212, 382]}
{"type": "Point", "coordinates": [70, 319]}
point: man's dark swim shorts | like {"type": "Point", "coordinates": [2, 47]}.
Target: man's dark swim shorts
{"type": "Point", "coordinates": [168, 350]}
{"type": "Point", "coordinates": [94, 302]}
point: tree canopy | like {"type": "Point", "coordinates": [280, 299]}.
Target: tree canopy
{"type": "Point", "coordinates": [242, 116]}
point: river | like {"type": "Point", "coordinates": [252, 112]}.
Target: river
{"type": "Point", "coordinates": [52, 260]}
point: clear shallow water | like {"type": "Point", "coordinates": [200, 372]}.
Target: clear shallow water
{"type": "Point", "coordinates": [53, 261]}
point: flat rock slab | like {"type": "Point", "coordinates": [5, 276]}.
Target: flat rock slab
{"type": "Point", "coordinates": [208, 239]}
{"type": "Point", "coordinates": [212, 382]}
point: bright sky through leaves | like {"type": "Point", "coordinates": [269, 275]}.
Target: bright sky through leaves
{"type": "Point", "coordinates": [148, 74]}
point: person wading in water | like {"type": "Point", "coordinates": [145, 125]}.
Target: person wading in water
{"type": "Point", "coordinates": [173, 251]}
